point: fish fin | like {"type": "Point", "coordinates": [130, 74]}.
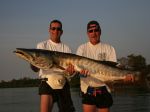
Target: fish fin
{"type": "Point", "coordinates": [109, 63]}
{"type": "Point", "coordinates": [59, 67]}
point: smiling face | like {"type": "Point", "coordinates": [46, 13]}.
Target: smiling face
{"type": "Point", "coordinates": [55, 32]}
{"type": "Point", "coordinates": [94, 34]}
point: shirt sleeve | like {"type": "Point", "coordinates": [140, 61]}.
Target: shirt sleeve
{"type": "Point", "coordinates": [80, 51]}
{"type": "Point", "coordinates": [66, 48]}
{"type": "Point", "coordinates": [40, 46]}
{"type": "Point", "coordinates": [112, 55]}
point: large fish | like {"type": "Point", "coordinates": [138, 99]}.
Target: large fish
{"type": "Point", "coordinates": [98, 70]}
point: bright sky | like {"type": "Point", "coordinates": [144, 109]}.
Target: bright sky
{"type": "Point", "coordinates": [23, 23]}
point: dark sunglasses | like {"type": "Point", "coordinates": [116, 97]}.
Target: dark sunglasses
{"type": "Point", "coordinates": [95, 30]}
{"type": "Point", "coordinates": [56, 28]}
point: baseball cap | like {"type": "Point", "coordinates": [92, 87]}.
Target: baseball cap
{"type": "Point", "coordinates": [93, 22]}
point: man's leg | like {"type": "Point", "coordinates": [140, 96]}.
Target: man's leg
{"type": "Point", "coordinates": [65, 102]}
{"type": "Point", "coordinates": [46, 103]}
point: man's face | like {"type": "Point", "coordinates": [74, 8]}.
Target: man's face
{"type": "Point", "coordinates": [55, 31]}
{"type": "Point", "coordinates": [94, 34]}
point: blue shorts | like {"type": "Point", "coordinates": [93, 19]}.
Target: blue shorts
{"type": "Point", "coordinates": [97, 96]}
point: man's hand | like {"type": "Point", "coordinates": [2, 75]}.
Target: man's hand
{"type": "Point", "coordinates": [70, 69]}
{"type": "Point", "coordinates": [84, 73]}
{"type": "Point", "coordinates": [129, 78]}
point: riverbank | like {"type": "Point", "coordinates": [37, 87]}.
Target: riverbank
{"type": "Point", "coordinates": [28, 82]}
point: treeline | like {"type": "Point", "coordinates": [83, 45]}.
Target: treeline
{"type": "Point", "coordinates": [18, 83]}
{"type": "Point", "coordinates": [28, 82]}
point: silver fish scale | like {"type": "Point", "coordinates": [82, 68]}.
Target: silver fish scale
{"type": "Point", "coordinates": [45, 59]}
{"type": "Point", "coordinates": [95, 69]}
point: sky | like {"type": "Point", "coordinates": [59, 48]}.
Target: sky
{"type": "Point", "coordinates": [125, 25]}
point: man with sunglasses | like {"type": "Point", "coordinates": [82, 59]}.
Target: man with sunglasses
{"type": "Point", "coordinates": [50, 90]}
{"type": "Point", "coordinates": [96, 97]}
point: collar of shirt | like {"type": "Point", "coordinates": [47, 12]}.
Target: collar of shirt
{"type": "Point", "coordinates": [53, 43]}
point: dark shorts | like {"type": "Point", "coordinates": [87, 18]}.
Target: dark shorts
{"type": "Point", "coordinates": [99, 97]}
{"type": "Point", "coordinates": [61, 96]}
{"type": "Point", "coordinates": [45, 89]}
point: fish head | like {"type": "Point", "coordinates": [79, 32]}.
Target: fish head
{"type": "Point", "coordinates": [37, 57]}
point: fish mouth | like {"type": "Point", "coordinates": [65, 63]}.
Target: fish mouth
{"type": "Point", "coordinates": [23, 54]}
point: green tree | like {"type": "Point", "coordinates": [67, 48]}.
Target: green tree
{"type": "Point", "coordinates": [136, 62]}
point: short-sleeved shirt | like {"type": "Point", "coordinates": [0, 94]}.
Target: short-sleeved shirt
{"type": "Point", "coordinates": [50, 45]}
{"type": "Point", "coordinates": [100, 51]}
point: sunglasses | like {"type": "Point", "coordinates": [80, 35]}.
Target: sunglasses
{"type": "Point", "coordinates": [56, 28]}
{"type": "Point", "coordinates": [95, 30]}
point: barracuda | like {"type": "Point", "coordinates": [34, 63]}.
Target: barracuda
{"type": "Point", "coordinates": [45, 59]}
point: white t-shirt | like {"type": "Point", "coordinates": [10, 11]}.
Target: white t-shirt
{"type": "Point", "coordinates": [54, 75]}
{"type": "Point", "coordinates": [100, 51]}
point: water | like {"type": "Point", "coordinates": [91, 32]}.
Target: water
{"type": "Point", "coordinates": [27, 100]}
